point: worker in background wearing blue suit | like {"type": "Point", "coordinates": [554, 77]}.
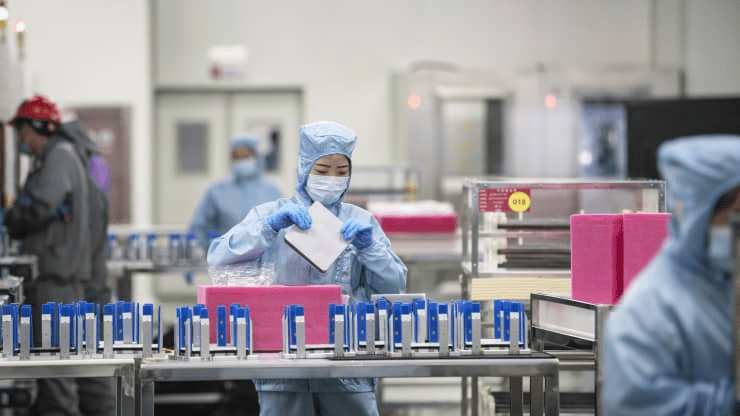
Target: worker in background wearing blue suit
{"type": "Point", "coordinates": [366, 267]}
{"type": "Point", "coordinates": [668, 343]}
{"type": "Point", "coordinates": [228, 201]}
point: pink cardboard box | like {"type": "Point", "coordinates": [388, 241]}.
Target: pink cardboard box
{"type": "Point", "coordinates": [596, 257]}
{"type": "Point", "coordinates": [644, 234]}
{"type": "Point", "coordinates": [266, 310]}
{"type": "Point", "coordinates": [423, 223]}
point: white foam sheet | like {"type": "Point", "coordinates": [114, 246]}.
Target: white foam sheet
{"type": "Point", "coordinates": [322, 243]}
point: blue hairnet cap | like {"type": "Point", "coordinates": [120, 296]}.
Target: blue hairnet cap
{"type": "Point", "coordinates": [326, 138]}
{"type": "Point", "coordinates": [243, 140]}
{"type": "Point", "coordinates": [698, 169]}
{"type": "Point", "coordinates": [320, 139]}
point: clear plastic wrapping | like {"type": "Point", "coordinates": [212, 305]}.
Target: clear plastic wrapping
{"type": "Point", "coordinates": [244, 274]}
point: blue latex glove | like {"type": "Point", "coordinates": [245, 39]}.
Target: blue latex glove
{"type": "Point", "coordinates": [24, 200]}
{"type": "Point", "coordinates": [63, 211]}
{"type": "Point", "coordinates": [189, 277]}
{"type": "Point", "coordinates": [290, 214]}
{"type": "Point", "coordinates": [362, 233]}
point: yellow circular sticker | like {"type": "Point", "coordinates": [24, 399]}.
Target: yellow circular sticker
{"type": "Point", "coordinates": [519, 201]}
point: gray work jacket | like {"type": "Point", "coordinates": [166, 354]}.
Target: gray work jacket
{"type": "Point", "coordinates": [63, 247]}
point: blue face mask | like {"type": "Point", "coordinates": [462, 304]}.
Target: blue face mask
{"type": "Point", "coordinates": [244, 168]}
{"type": "Point", "coordinates": [719, 250]}
{"type": "Point", "coordinates": [26, 149]}
{"type": "Point", "coordinates": [326, 189]}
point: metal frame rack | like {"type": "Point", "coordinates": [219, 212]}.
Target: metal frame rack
{"type": "Point", "coordinates": [136, 377]}
{"type": "Point", "coordinates": [272, 366]}
{"type": "Point", "coordinates": [516, 240]}
{"type": "Point", "coordinates": [578, 326]}
{"type": "Point", "coordinates": [541, 218]}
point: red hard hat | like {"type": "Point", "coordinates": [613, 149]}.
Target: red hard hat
{"type": "Point", "coordinates": [38, 107]}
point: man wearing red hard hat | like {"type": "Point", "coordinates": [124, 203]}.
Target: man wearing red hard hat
{"type": "Point", "coordinates": [53, 217]}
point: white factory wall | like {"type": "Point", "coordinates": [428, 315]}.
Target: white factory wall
{"type": "Point", "coordinates": [342, 53]}
{"type": "Point", "coordinates": [713, 45]}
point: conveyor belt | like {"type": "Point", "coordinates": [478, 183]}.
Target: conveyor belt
{"type": "Point", "coordinates": [535, 251]}
{"type": "Point", "coordinates": [529, 263]}
{"type": "Point", "coordinates": [514, 226]}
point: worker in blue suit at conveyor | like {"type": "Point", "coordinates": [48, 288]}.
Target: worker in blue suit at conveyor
{"type": "Point", "coordinates": [668, 343]}
{"type": "Point", "coordinates": [366, 267]}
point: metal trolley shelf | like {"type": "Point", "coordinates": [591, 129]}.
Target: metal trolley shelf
{"type": "Point", "coordinates": [520, 228]}
{"type": "Point", "coordinates": [570, 330]}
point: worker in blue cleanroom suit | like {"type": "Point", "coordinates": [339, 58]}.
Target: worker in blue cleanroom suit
{"type": "Point", "coordinates": [668, 343]}
{"type": "Point", "coordinates": [228, 201]}
{"type": "Point", "coordinates": [366, 267]}
{"type": "Point", "coordinates": [224, 204]}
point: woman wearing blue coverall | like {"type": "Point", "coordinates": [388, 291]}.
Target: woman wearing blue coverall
{"type": "Point", "coordinates": [668, 343]}
{"type": "Point", "coordinates": [366, 267]}
{"type": "Point", "coordinates": [224, 204]}
{"type": "Point", "coordinates": [227, 201]}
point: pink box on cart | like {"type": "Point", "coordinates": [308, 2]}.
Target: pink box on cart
{"type": "Point", "coordinates": [266, 310]}
{"type": "Point", "coordinates": [597, 257]}
{"type": "Point", "coordinates": [644, 235]}
{"type": "Point", "coordinates": [422, 223]}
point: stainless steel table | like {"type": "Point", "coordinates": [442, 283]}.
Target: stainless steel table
{"type": "Point", "coordinates": [123, 369]}
{"type": "Point", "coordinates": [272, 366]}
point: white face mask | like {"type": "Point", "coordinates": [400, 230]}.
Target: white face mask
{"type": "Point", "coordinates": [244, 168]}
{"type": "Point", "coordinates": [326, 189]}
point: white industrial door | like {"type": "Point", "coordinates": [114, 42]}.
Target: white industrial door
{"type": "Point", "coordinates": [193, 131]}
{"type": "Point", "coordinates": [191, 152]}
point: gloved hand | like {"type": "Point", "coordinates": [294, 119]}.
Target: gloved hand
{"type": "Point", "coordinates": [63, 212]}
{"type": "Point", "coordinates": [362, 233]}
{"type": "Point", "coordinates": [290, 214]}
{"type": "Point", "coordinates": [24, 200]}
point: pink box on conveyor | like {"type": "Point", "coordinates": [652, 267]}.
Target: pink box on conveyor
{"type": "Point", "coordinates": [422, 223]}
{"type": "Point", "coordinates": [266, 310]}
{"type": "Point", "coordinates": [644, 234]}
{"type": "Point", "coordinates": [596, 257]}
